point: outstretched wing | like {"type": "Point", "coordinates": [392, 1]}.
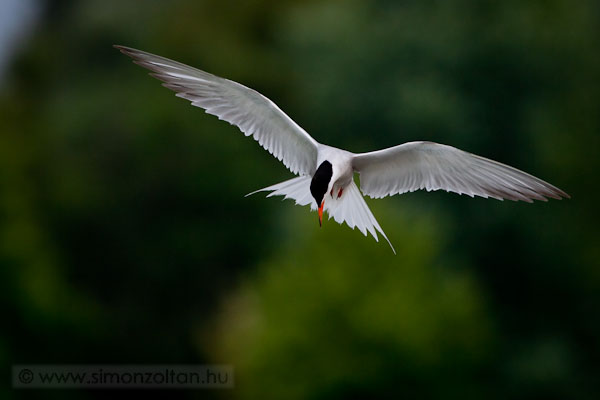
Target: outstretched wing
{"type": "Point", "coordinates": [253, 113]}
{"type": "Point", "coordinates": [432, 166]}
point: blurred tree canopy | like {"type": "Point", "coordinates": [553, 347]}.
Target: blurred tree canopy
{"type": "Point", "coordinates": [125, 236]}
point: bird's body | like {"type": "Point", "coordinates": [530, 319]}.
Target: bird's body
{"type": "Point", "coordinates": [341, 162]}
{"type": "Point", "coordinates": [326, 173]}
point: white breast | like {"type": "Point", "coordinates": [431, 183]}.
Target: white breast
{"type": "Point", "coordinates": [341, 161]}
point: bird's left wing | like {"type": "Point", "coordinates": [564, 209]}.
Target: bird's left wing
{"type": "Point", "coordinates": [432, 166]}
{"type": "Point", "coordinates": [253, 113]}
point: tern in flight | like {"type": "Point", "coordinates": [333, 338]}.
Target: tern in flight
{"type": "Point", "coordinates": [325, 173]}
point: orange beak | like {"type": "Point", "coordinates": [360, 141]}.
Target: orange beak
{"type": "Point", "coordinates": [321, 213]}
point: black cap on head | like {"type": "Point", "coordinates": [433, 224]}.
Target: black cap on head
{"type": "Point", "coordinates": [320, 181]}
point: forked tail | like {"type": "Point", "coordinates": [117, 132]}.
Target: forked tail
{"type": "Point", "coordinates": [350, 207]}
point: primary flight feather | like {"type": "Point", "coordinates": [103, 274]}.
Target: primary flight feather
{"type": "Point", "coordinates": [325, 172]}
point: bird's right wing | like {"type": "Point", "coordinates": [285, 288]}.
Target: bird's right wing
{"type": "Point", "coordinates": [432, 166]}
{"type": "Point", "coordinates": [253, 113]}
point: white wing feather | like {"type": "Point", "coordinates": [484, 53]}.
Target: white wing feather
{"type": "Point", "coordinates": [253, 113]}
{"type": "Point", "coordinates": [432, 166]}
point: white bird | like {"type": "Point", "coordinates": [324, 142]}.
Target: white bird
{"type": "Point", "coordinates": [325, 173]}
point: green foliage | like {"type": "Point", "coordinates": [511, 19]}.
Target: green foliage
{"type": "Point", "coordinates": [335, 316]}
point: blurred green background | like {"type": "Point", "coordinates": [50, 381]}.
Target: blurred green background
{"type": "Point", "coordinates": [126, 237]}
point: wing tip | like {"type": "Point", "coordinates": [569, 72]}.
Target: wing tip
{"type": "Point", "coordinates": [124, 49]}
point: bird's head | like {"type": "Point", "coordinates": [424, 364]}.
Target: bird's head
{"type": "Point", "coordinates": [320, 185]}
